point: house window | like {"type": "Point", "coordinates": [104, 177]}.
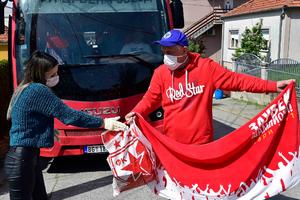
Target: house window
{"type": "Point", "coordinates": [266, 36]}
{"type": "Point", "coordinates": [228, 5]}
{"type": "Point", "coordinates": [233, 39]}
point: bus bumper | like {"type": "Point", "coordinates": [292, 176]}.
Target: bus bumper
{"type": "Point", "coordinates": [70, 145]}
{"type": "Point", "coordinates": [74, 145]}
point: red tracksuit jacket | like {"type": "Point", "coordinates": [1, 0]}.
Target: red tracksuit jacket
{"type": "Point", "coordinates": [186, 96]}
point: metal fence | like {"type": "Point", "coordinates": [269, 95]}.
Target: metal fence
{"type": "Point", "coordinates": [280, 69]}
{"type": "Point", "coordinates": [249, 64]}
{"type": "Point", "coordinates": [283, 69]}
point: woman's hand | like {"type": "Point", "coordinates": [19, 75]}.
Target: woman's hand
{"type": "Point", "coordinates": [113, 124]}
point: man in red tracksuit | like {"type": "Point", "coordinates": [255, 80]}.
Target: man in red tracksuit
{"type": "Point", "coordinates": [184, 87]}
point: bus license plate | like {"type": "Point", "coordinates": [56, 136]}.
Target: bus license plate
{"type": "Point", "coordinates": [95, 149]}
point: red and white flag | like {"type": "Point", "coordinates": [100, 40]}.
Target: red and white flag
{"type": "Point", "coordinates": [256, 161]}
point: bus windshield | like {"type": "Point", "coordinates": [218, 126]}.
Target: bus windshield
{"type": "Point", "coordinates": [104, 48]}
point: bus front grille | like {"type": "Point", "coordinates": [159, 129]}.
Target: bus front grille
{"type": "Point", "coordinates": [82, 132]}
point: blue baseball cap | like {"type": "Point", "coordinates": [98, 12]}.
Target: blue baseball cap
{"type": "Point", "coordinates": [173, 37]}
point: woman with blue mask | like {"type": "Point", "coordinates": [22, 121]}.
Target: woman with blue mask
{"type": "Point", "coordinates": [32, 110]}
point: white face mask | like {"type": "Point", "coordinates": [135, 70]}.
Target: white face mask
{"type": "Point", "coordinates": [51, 82]}
{"type": "Point", "coordinates": [171, 62]}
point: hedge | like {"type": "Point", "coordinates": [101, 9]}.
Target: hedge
{"type": "Point", "coordinates": [5, 94]}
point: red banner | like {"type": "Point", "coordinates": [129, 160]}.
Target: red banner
{"type": "Point", "coordinates": [256, 161]}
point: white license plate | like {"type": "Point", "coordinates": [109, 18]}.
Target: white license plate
{"type": "Point", "coordinates": [95, 149]}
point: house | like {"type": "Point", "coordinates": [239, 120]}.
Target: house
{"type": "Point", "coordinates": [280, 27]}
{"type": "Point", "coordinates": [203, 23]}
{"type": "Point", "coordinates": [4, 37]}
{"type": "Point", "coordinates": [4, 44]}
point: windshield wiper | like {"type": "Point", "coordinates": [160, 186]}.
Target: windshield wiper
{"type": "Point", "coordinates": [135, 56]}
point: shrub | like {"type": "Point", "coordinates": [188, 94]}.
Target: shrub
{"type": "Point", "coordinates": [4, 77]}
{"type": "Point", "coordinates": [196, 46]}
{"type": "Point", "coordinates": [4, 80]}
{"type": "Point", "coordinates": [5, 94]}
{"type": "Point", "coordinates": [252, 42]}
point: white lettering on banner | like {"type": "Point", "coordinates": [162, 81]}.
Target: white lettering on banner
{"type": "Point", "coordinates": [270, 181]}
{"type": "Point", "coordinates": [276, 112]}
{"type": "Point", "coordinates": [190, 90]}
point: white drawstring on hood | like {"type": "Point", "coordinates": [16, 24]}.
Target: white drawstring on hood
{"type": "Point", "coordinates": [173, 69]}
{"type": "Point", "coordinates": [186, 80]}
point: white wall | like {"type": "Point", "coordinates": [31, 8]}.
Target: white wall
{"type": "Point", "coordinates": [7, 12]}
{"type": "Point", "coordinates": [195, 10]}
{"type": "Point", "coordinates": [271, 21]}
{"type": "Point", "coordinates": [294, 40]}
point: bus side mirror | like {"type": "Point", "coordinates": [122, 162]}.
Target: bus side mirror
{"type": "Point", "coordinates": [2, 6]}
{"type": "Point", "coordinates": [20, 30]}
{"type": "Point", "coordinates": [177, 13]}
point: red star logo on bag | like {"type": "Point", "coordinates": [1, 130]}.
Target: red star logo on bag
{"type": "Point", "coordinates": [117, 144]}
{"type": "Point", "coordinates": [122, 135]}
{"type": "Point", "coordinates": [129, 135]}
{"type": "Point", "coordinates": [138, 166]}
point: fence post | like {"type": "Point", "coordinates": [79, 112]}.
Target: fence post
{"type": "Point", "coordinates": [264, 70]}
{"type": "Point", "coordinates": [235, 65]}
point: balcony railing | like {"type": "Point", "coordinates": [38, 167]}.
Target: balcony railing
{"type": "Point", "coordinates": [205, 23]}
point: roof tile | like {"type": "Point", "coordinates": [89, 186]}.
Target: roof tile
{"type": "Point", "coordinates": [254, 6]}
{"type": "Point", "coordinates": [4, 37]}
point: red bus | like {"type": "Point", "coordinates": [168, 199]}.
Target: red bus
{"type": "Point", "coordinates": [99, 74]}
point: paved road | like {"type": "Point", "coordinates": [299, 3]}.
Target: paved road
{"type": "Point", "coordinates": [89, 177]}
{"type": "Point", "coordinates": [83, 178]}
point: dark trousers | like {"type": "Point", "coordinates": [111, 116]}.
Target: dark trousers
{"type": "Point", "coordinates": [24, 174]}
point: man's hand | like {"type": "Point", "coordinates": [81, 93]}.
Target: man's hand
{"type": "Point", "coordinates": [130, 117]}
{"type": "Point", "coordinates": [113, 124]}
{"type": "Point", "coordinates": [282, 84]}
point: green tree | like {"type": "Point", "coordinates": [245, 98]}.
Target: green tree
{"type": "Point", "coordinates": [196, 46]}
{"type": "Point", "coordinates": [252, 42]}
